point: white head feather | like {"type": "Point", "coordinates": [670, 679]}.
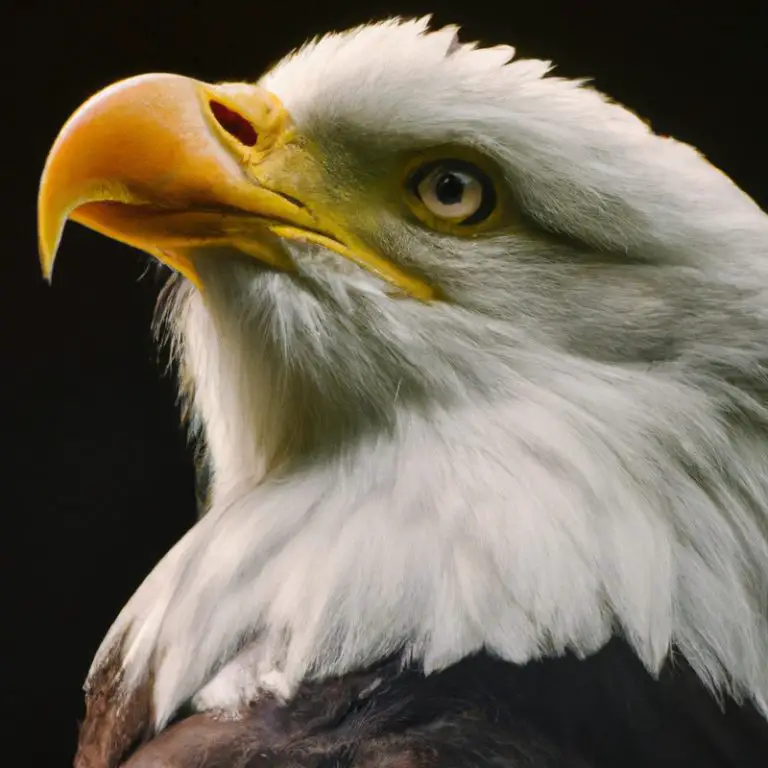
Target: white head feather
{"type": "Point", "coordinates": [574, 444]}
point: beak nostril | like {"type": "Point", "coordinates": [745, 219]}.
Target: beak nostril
{"type": "Point", "coordinates": [234, 123]}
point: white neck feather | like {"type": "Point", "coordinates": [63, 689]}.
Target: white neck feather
{"type": "Point", "coordinates": [579, 501]}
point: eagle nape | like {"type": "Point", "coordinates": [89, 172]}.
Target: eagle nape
{"type": "Point", "coordinates": [478, 366]}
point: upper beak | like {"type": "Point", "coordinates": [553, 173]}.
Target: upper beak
{"type": "Point", "coordinates": [164, 162]}
{"type": "Point", "coordinates": [161, 162]}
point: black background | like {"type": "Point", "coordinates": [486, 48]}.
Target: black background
{"type": "Point", "coordinates": [96, 480]}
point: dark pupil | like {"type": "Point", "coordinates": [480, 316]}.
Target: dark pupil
{"type": "Point", "coordinates": [449, 189]}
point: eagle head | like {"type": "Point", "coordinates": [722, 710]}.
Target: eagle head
{"type": "Point", "coordinates": [478, 362]}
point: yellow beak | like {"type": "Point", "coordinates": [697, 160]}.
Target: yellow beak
{"type": "Point", "coordinates": [164, 163]}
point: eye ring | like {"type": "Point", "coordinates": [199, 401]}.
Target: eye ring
{"type": "Point", "coordinates": [454, 191]}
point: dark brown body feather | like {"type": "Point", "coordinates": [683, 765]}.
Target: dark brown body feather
{"type": "Point", "coordinates": [601, 712]}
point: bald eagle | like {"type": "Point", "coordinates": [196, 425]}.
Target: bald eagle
{"type": "Point", "coordinates": [479, 366]}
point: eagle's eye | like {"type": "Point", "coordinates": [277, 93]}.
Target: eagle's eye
{"type": "Point", "coordinates": [453, 191]}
